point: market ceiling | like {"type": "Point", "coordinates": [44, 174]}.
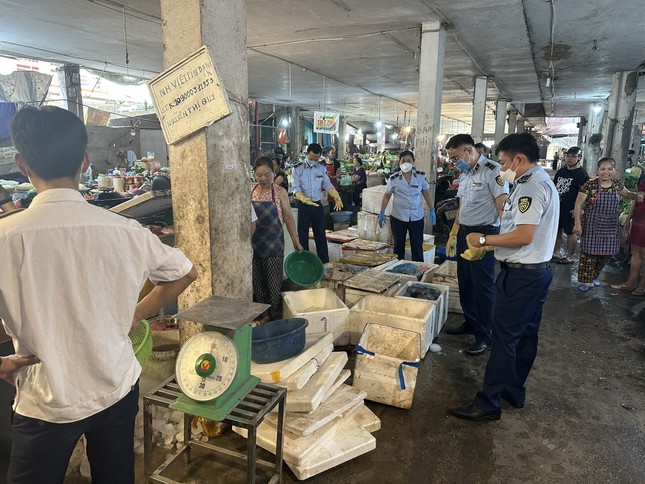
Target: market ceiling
{"type": "Point", "coordinates": [363, 54]}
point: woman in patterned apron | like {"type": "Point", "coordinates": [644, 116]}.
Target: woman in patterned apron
{"type": "Point", "coordinates": [271, 205]}
{"type": "Point", "coordinates": [599, 227]}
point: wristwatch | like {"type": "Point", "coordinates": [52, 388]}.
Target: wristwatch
{"type": "Point", "coordinates": [482, 240]}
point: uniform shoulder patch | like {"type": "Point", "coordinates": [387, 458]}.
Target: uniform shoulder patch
{"type": "Point", "coordinates": [297, 163]}
{"type": "Point", "coordinates": [499, 181]}
{"type": "Point", "coordinates": [395, 175]}
{"type": "Point", "coordinates": [422, 173]}
{"type": "Point", "coordinates": [524, 203]}
{"type": "Point", "coordinates": [490, 166]}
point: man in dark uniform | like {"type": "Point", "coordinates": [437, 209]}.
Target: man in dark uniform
{"type": "Point", "coordinates": [309, 180]}
{"type": "Point", "coordinates": [523, 247]}
{"type": "Point", "coordinates": [482, 194]}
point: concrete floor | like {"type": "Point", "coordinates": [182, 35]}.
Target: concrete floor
{"type": "Point", "coordinates": [584, 421]}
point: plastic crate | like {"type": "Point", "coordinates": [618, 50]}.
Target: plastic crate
{"type": "Point", "coordinates": [442, 302]}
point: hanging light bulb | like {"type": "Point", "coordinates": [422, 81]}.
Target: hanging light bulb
{"type": "Point", "coordinates": [548, 81]}
{"type": "Point", "coordinates": [133, 132]}
{"type": "Point", "coordinates": [378, 124]}
{"type": "Point", "coordinates": [597, 108]}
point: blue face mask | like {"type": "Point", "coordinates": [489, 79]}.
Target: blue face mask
{"type": "Point", "coordinates": [462, 165]}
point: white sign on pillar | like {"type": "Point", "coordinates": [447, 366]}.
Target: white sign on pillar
{"type": "Point", "coordinates": [189, 96]}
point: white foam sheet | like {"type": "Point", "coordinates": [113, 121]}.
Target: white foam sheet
{"type": "Point", "coordinates": [281, 370]}
{"type": "Point", "coordinates": [297, 449]}
{"type": "Point", "coordinates": [309, 397]}
{"type": "Point", "coordinates": [367, 419]}
{"type": "Point", "coordinates": [342, 400]}
{"type": "Point", "coordinates": [349, 442]}
{"type": "Point", "coordinates": [342, 378]}
{"type": "Point", "coordinates": [300, 378]}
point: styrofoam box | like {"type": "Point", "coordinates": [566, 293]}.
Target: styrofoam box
{"type": "Point", "coordinates": [409, 314]}
{"type": "Point", "coordinates": [446, 275]}
{"type": "Point", "coordinates": [353, 295]}
{"type": "Point", "coordinates": [442, 302]}
{"type": "Point", "coordinates": [410, 277]}
{"type": "Point", "coordinates": [378, 374]}
{"type": "Point", "coordinates": [369, 229]}
{"type": "Point", "coordinates": [372, 199]}
{"type": "Point", "coordinates": [323, 309]}
{"type": "Point", "coordinates": [428, 255]}
{"type": "Point", "coordinates": [427, 238]}
{"type": "Point", "coordinates": [333, 249]}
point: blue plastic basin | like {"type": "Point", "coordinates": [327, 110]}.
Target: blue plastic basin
{"type": "Point", "coordinates": [343, 216]}
{"type": "Point", "coordinates": [278, 340]}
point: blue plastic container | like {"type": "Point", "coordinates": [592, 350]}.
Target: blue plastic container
{"type": "Point", "coordinates": [278, 340]}
{"type": "Point", "coordinates": [343, 216]}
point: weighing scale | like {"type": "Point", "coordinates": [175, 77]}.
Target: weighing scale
{"type": "Point", "coordinates": [213, 368]}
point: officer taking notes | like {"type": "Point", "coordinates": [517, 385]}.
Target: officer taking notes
{"type": "Point", "coordinates": [523, 247]}
{"type": "Point", "coordinates": [309, 180]}
{"type": "Point", "coordinates": [482, 193]}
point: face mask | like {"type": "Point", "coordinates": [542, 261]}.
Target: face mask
{"type": "Point", "coordinates": [508, 175]}
{"type": "Point", "coordinates": [406, 167]}
{"type": "Point", "coordinates": [462, 165]}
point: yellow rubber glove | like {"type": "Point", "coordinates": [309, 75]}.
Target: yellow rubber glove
{"type": "Point", "coordinates": [476, 253]}
{"type": "Point", "coordinates": [338, 203]}
{"type": "Point", "coordinates": [305, 200]}
{"type": "Point", "coordinates": [451, 245]}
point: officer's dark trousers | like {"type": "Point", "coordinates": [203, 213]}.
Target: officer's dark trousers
{"type": "Point", "coordinates": [399, 230]}
{"type": "Point", "coordinates": [314, 216]}
{"type": "Point", "coordinates": [41, 450]}
{"type": "Point", "coordinates": [476, 284]}
{"type": "Point", "coordinates": [517, 312]}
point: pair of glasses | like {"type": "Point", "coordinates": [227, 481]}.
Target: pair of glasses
{"type": "Point", "coordinates": [455, 159]}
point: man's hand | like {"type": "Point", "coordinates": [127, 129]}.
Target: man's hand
{"type": "Point", "coordinates": [577, 229]}
{"type": "Point", "coordinates": [433, 216]}
{"type": "Point", "coordinates": [305, 200]}
{"type": "Point", "coordinates": [11, 363]}
{"type": "Point", "coordinates": [475, 251]}
{"type": "Point", "coordinates": [297, 246]}
{"type": "Point", "coordinates": [338, 203]}
{"type": "Point", "coordinates": [451, 245]}
{"type": "Point", "coordinates": [381, 219]}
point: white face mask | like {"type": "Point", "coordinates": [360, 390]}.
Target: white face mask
{"type": "Point", "coordinates": [508, 175]}
{"type": "Point", "coordinates": [406, 167]}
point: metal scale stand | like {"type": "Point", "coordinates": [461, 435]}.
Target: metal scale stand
{"type": "Point", "coordinates": [213, 381]}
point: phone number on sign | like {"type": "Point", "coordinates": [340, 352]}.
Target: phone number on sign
{"type": "Point", "coordinates": [180, 99]}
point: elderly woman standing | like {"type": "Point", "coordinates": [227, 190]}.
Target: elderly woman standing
{"type": "Point", "coordinates": [271, 205]}
{"type": "Point", "coordinates": [599, 228]}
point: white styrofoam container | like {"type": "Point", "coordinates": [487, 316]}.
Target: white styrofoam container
{"type": "Point", "coordinates": [353, 295]}
{"type": "Point", "coordinates": [409, 314]}
{"type": "Point", "coordinates": [442, 302]}
{"type": "Point", "coordinates": [372, 199]}
{"type": "Point", "coordinates": [369, 229]}
{"type": "Point", "coordinates": [428, 255]}
{"type": "Point", "coordinates": [410, 277]}
{"type": "Point", "coordinates": [379, 374]}
{"type": "Point", "coordinates": [427, 238]}
{"type": "Point", "coordinates": [333, 249]}
{"type": "Point", "coordinates": [323, 309]}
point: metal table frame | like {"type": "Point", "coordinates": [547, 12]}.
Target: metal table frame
{"type": "Point", "coordinates": [248, 414]}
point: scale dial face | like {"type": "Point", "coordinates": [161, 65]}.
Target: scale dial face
{"type": "Point", "coordinates": [206, 365]}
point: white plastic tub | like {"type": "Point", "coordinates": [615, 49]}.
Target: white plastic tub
{"type": "Point", "coordinates": [387, 365]}
{"type": "Point", "coordinates": [442, 302]}
{"type": "Point", "coordinates": [323, 309]}
{"type": "Point", "coordinates": [403, 313]}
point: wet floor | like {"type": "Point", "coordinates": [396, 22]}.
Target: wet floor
{"type": "Point", "coordinates": [584, 419]}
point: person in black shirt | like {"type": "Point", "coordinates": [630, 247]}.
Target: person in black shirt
{"type": "Point", "coordinates": [568, 181]}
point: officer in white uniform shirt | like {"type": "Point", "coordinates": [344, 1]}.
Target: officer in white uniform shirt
{"type": "Point", "coordinates": [482, 194]}
{"type": "Point", "coordinates": [409, 188]}
{"type": "Point", "coordinates": [523, 247]}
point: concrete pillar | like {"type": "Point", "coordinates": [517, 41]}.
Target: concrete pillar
{"type": "Point", "coordinates": [500, 119]}
{"type": "Point", "coordinates": [433, 47]}
{"type": "Point", "coordinates": [210, 178]}
{"type": "Point", "coordinates": [520, 125]}
{"type": "Point", "coordinates": [342, 142]}
{"type": "Point", "coordinates": [69, 77]}
{"type": "Point", "coordinates": [302, 141]}
{"type": "Point", "coordinates": [479, 109]}
{"type": "Point", "coordinates": [620, 117]}
{"type": "Point", "coordinates": [635, 143]}
{"type": "Point", "coordinates": [294, 131]}
{"type": "Point", "coordinates": [591, 152]}
{"type": "Point", "coordinates": [319, 138]}
{"type": "Point", "coordinates": [512, 121]}
{"type": "Point", "coordinates": [581, 130]}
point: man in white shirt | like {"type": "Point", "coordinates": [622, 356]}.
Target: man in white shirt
{"type": "Point", "coordinates": [69, 284]}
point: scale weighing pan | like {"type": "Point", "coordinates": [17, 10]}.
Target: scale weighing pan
{"type": "Point", "coordinates": [213, 368]}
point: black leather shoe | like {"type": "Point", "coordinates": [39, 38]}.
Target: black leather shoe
{"type": "Point", "coordinates": [511, 402]}
{"type": "Point", "coordinates": [479, 348]}
{"type": "Point", "coordinates": [461, 329]}
{"type": "Point", "coordinates": [474, 414]}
